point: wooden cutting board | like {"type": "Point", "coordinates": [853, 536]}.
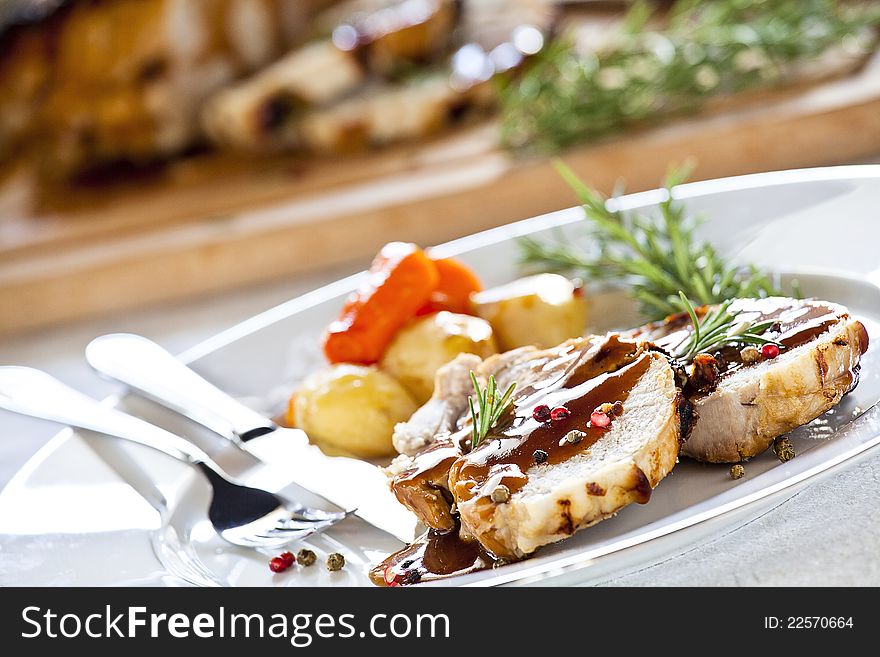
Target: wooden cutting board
{"type": "Point", "coordinates": [214, 222]}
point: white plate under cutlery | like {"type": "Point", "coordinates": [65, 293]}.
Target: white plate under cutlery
{"type": "Point", "coordinates": [68, 517]}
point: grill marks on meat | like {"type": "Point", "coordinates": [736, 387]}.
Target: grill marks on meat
{"type": "Point", "coordinates": [687, 416]}
{"type": "Point", "coordinates": [390, 38]}
{"type": "Point", "coordinates": [354, 90]}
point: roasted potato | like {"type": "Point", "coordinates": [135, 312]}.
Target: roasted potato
{"type": "Point", "coordinates": [352, 409]}
{"type": "Point", "coordinates": [421, 347]}
{"type": "Point", "coordinates": [541, 310]}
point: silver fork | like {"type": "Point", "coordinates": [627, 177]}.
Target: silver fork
{"type": "Point", "coordinates": [244, 516]}
{"type": "Point", "coordinates": [284, 454]}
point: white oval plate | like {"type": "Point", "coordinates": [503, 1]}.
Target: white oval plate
{"type": "Point", "coordinates": [68, 517]}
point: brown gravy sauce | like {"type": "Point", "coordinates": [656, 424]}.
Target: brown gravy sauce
{"type": "Point", "coordinates": [602, 370]}
{"type": "Point", "coordinates": [433, 556]}
{"type": "Point", "coordinates": [506, 456]}
{"type": "Point", "coordinates": [432, 461]}
{"type": "Point", "coordinates": [796, 324]}
{"type": "Point", "coordinates": [581, 378]}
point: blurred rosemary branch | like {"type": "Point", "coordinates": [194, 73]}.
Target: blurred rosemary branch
{"type": "Point", "coordinates": [659, 258]}
{"type": "Point", "coordinates": [704, 49]}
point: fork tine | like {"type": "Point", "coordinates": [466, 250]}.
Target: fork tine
{"type": "Point", "coordinates": [297, 526]}
{"type": "Point", "coordinates": [295, 533]}
{"type": "Point", "coordinates": [199, 570]}
{"type": "Point", "coordinates": [306, 514]}
{"type": "Point", "coordinates": [289, 531]}
{"type": "Point", "coordinates": [179, 556]}
{"type": "Point", "coordinates": [312, 527]}
{"type": "Point", "coordinates": [199, 567]}
{"type": "Point", "coordinates": [294, 523]}
{"type": "Point", "coordinates": [297, 520]}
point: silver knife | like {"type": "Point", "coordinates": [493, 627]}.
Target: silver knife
{"type": "Point", "coordinates": [284, 457]}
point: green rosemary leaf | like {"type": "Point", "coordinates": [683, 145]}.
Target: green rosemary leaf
{"type": "Point", "coordinates": [491, 408]}
{"type": "Point", "coordinates": [718, 328]}
{"type": "Point", "coordinates": [703, 50]}
{"type": "Point", "coordinates": [475, 435]}
{"type": "Point", "coordinates": [762, 326]}
{"type": "Point", "coordinates": [693, 315]}
{"type": "Point", "coordinates": [656, 256]}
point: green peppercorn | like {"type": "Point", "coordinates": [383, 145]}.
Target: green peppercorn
{"type": "Point", "coordinates": [574, 436]}
{"type": "Point", "coordinates": [500, 494]}
{"type": "Point", "coordinates": [750, 355]}
{"type": "Point", "coordinates": [305, 557]}
{"type": "Point", "coordinates": [784, 449]}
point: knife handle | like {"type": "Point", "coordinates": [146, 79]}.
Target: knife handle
{"type": "Point", "coordinates": [38, 394]}
{"type": "Point", "coordinates": [148, 368]}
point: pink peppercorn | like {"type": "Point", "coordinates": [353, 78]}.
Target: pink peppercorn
{"type": "Point", "coordinates": [600, 419]}
{"type": "Point", "coordinates": [559, 413]}
{"type": "Point", "coordinates": [541, 413]}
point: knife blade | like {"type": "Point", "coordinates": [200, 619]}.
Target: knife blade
{"type": "Point", "coordinates": [283, 459]}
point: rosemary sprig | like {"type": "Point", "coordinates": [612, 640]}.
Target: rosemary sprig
{"type": "Point", "coordinates": [657, 257]}
{"type": "Point", "coordinates": [719, 328]}
{"type": "Point", "coordinates": [703, 49]}
{"type": "Point", "coordinates": [491, 407]}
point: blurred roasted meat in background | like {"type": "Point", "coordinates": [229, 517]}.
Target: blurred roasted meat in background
{"type": "Point", "coordinates": [84, 83]}
{"type": "Point", "coordinates": [89, 84]}
{"type": "Point", "coordinates": [387, 71]}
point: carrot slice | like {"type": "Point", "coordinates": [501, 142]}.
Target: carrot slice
{"type": "Point", "coordinates": [400, 281]}
{"type": "Point", "coordinates": [457, 282]}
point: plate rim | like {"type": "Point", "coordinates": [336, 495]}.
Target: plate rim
{"type": "Point", "coordinates": [556, 218]}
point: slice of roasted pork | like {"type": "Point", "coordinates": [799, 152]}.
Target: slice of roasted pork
{"type": "Point", "coordinates": [535, 480]}
{"type": "Point", "coordinates": [744, 399]}
{"type": "Point", "coordinates": [433, 438]}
